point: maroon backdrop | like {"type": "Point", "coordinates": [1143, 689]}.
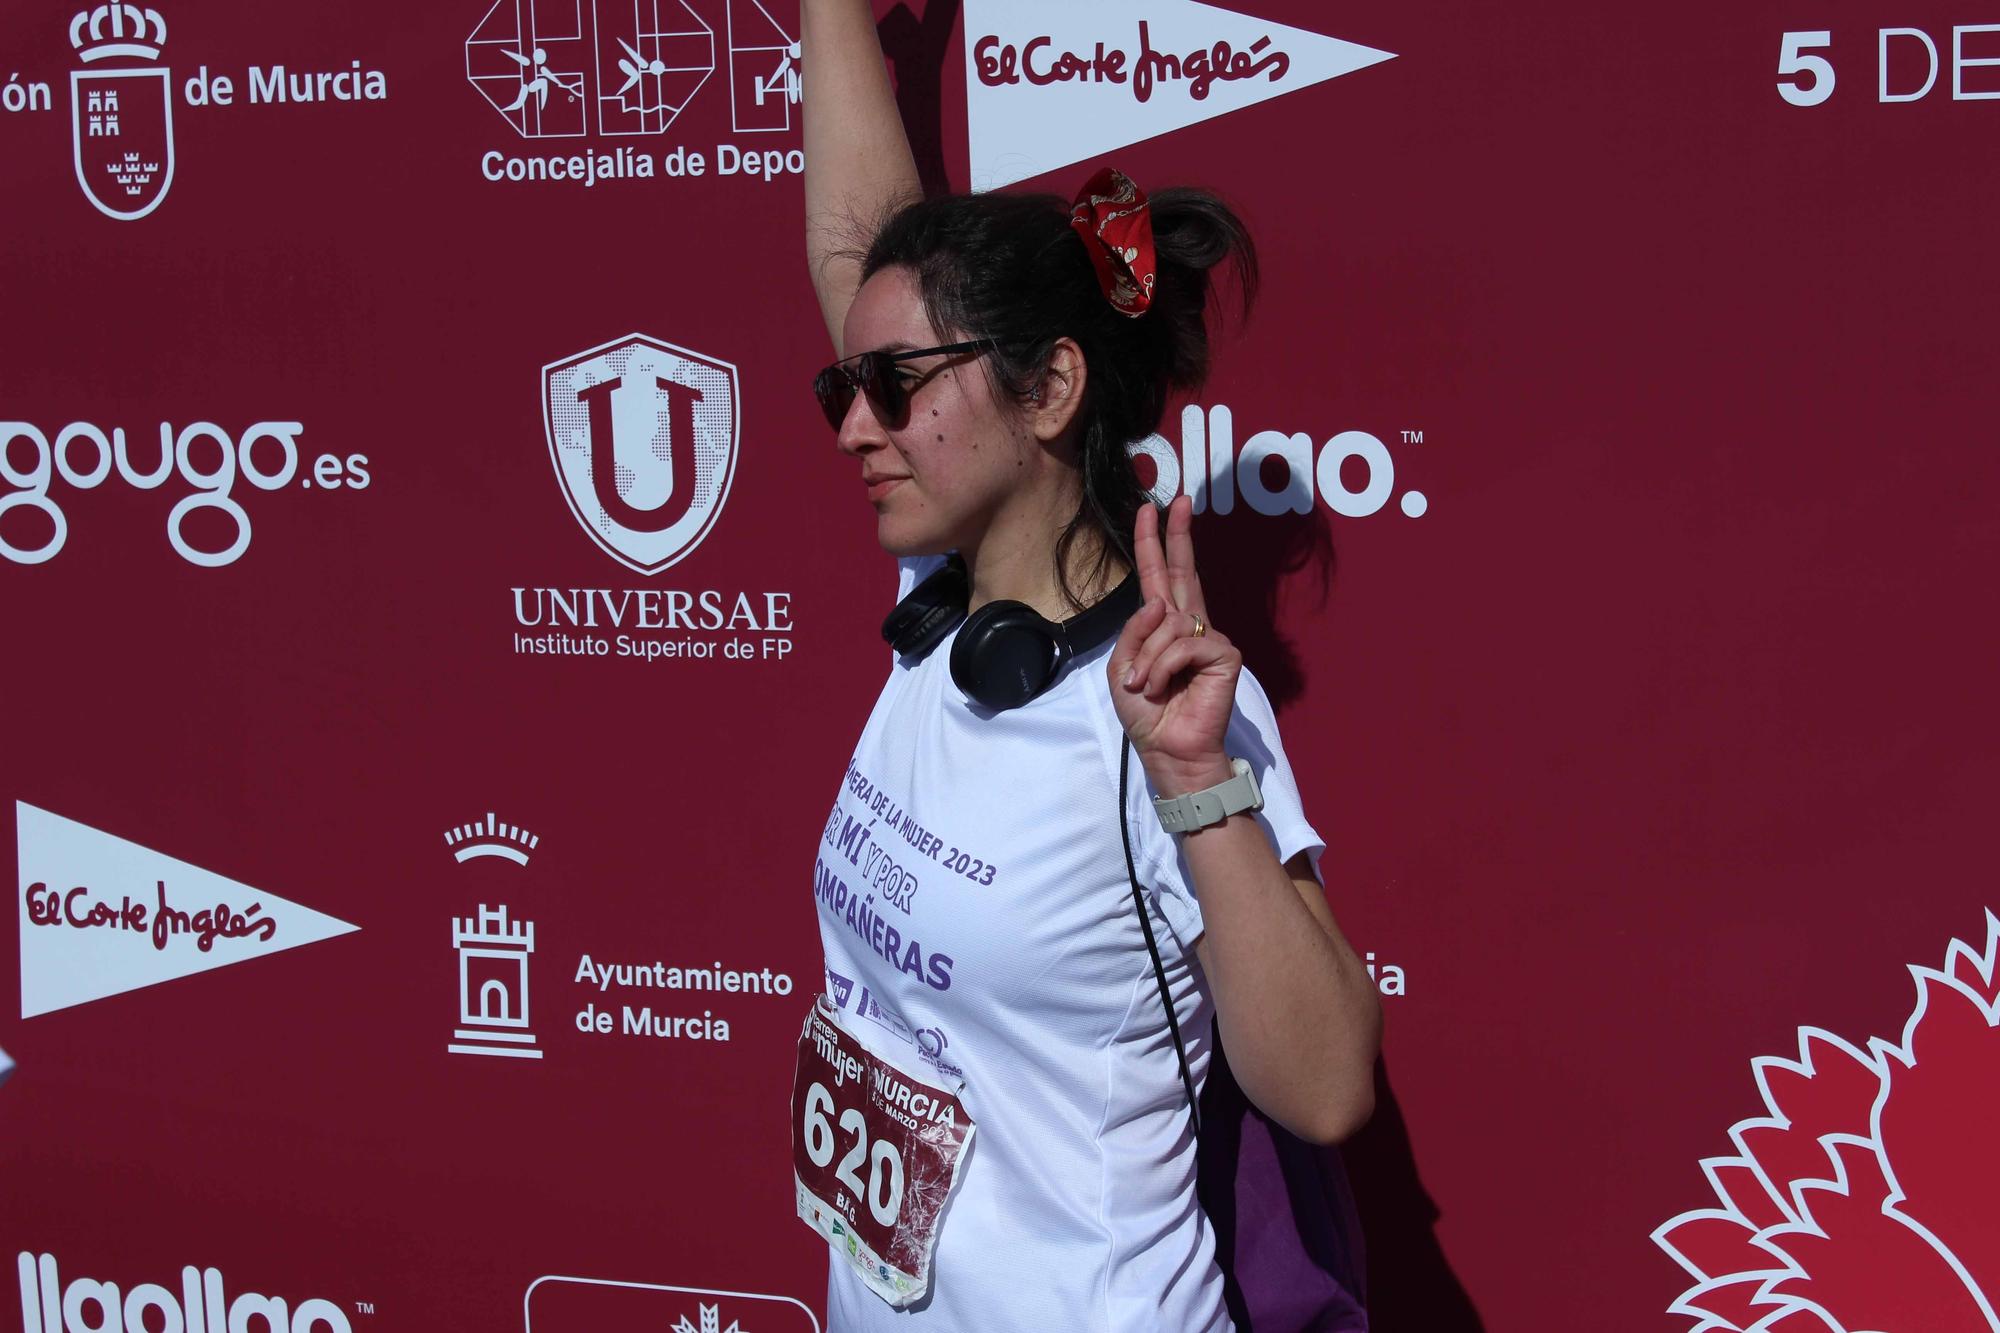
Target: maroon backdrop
{"type": "Point", "coordinates": [1663, 731]}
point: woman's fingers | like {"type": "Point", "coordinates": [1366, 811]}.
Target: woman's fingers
{"type": "Point", "coordinates": [1170, 628]}
{"type": "Point", "coordinates": [1183, 655]}
{"type": "Point", "coordinates": [1147, 557]}
{"type": "Point", "coordinates": [1133, 638]}
{"type": "Point", "coordinates": [1183, 583]}
{"type": "Point", "coordinates": [1168, 625]}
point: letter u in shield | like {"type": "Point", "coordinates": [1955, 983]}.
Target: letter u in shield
{"type": "Point", "coordinates": [122, 124]}
{"type": "Point", "coordinates": [643, 435]}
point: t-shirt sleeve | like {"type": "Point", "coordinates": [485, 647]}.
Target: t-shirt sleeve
{"type": "Point", "coordinates": [1253, 736]}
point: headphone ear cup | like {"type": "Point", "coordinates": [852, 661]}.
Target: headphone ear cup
{"type": "Point", "coordinates": [1005, 654]}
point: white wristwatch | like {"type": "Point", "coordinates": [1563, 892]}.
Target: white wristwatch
{"type": "Point", "coordinates": [1211, 805]}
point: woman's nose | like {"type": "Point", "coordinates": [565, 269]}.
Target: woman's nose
{"type": "Point", "coordinates": [859, 430]}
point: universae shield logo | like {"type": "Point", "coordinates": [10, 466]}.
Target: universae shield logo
{"type": "Point", "coordinates": [121, 117]}
{"type": "Point", "coordinates": [643, 435]}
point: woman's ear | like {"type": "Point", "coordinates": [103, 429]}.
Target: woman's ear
{"type": "Point", "coordinates": [1054, 402]}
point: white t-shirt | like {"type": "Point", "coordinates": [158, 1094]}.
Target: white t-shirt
{"type": "Point", "coordinates": [983, 925]}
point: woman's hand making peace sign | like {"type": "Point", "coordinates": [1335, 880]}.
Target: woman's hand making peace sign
{"type": "Point", "coordinates": [1173, 675]}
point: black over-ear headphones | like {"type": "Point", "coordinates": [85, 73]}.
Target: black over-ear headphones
{"type": "Point", "coordinates": [1007, 653]}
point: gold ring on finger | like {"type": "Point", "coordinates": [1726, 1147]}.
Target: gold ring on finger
{"type": "Point", "coordinates": [1199, 628]}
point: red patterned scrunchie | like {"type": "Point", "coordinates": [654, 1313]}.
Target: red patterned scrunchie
{"type": "Point", "coordinates": [1111, 216]}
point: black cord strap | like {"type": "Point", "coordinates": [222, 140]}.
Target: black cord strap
{"type": "Point", "coordinates": [1146, 925]}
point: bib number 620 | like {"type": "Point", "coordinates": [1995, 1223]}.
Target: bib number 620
{"type": "Point", "coordinates": [884, 1190]}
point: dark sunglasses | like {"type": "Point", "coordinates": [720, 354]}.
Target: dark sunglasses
{"type": "Point", "coordinates": [875, 374]}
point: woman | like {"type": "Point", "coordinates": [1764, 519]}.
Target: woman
{"type": "Point", "coordinates": [997, 362]}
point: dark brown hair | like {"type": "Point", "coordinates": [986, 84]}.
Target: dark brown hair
{"type": "Point", "coordinates": [1009, 267]}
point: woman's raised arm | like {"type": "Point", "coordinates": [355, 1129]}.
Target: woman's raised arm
{"type": "Point", "coordinates": [1296, 1008]}
{"type": "Point", "coordinates": [858, 160]}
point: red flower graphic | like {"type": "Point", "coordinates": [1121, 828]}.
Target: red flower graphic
{"type": "Point", "coordinates": [1867, 1200]}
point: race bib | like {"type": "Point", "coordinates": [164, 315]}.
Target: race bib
{"type": "Point", "coordinates": [875, 1151]}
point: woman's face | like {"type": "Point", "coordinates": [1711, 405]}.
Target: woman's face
{"type": "Point", "coordinates": [963, 451]}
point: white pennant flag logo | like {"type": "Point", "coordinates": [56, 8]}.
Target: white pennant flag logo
{"type": "Point", "coordinates": [101, 915]}
{"type": "Point", "coordinates": [1053, 82]}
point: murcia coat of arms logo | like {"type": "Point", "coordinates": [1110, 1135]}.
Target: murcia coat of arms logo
{"type": "Point", "coordinates": [121, 110]}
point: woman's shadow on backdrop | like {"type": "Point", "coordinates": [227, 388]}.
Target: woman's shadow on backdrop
{"type": "Point", "coordinates": [1369, 1186]}
{"type": "Point", "coordinates": [917, 48]}
{"type": "Point", "coordinates": [1290, 1221]}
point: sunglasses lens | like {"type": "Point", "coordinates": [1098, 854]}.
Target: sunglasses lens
{"type": "Point", "coordinates": [885, 391]}
{"type": "Point", "coordinates": [835, 393]}
{"type": "Point", "coordinates": [872, 373]}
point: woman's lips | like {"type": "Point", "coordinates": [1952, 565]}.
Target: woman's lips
{"type": "Point", "coordinates": [881, 486]}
